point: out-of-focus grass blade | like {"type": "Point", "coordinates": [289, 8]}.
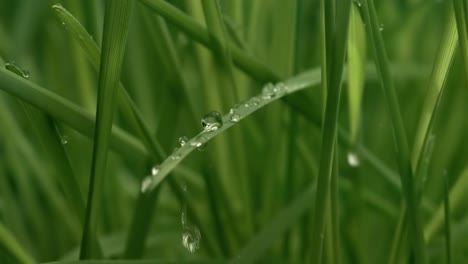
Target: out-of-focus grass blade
{"type": "Point", "coordinates": [11, 248]}
{"type": "Point", "coordinates": [132, 114]}
{"type": "Point", "coordinates": [448, 247]}
{"type": "Point", "coordinates": [116, 23]}
{"type": "Point", "coordinates": [402, 153]}
{"type": "Point", "coordinates": [273, 230]}
{"type": "Point", "coordinates": [138, 262]}
{"type": "Point", "coordinates": [457, 196]}
{"type": "Point", "coordinates": [460, 16]}
{"type": "Point", "coordinates": [356, 69]}
{"type": "Point", "coordinates": [69, 113]}
{"type": "Point", "coordinates": [436, 83]}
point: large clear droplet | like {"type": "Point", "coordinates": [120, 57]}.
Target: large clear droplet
{"type": "Point", "coordinates": [353, 159]}
{"type": "Point", "coordinates": [212, 121]}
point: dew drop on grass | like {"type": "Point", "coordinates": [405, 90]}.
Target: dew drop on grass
{"type": "Point", "coordinates": [358, 3]}
{"type": "Point", "coordinates": [64, 140]}
{"type": "Point", "coordinates": [155, 170]}
{"type": "Point", "coordinates": [183, 140]}
{"type": "Point", "coordinates": [212, 121]}
{"type": "Point", "coordinates": [353, 159]}
{"type": "Point", "coordinates": [381, 27]}
{"type": "Point", "coordinates": [11, 66]}
{"type": "Point", "coordinates": [269, 91]}
{"type": "Point", "coordinates": [175, 157]}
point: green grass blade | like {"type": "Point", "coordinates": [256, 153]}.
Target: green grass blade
{"type": "Point", "coordinates": [356, 69]}
{"type": "Point", "coordinates": [436, 83]}
{"type": "Point", "coordinates": [256, 247]}
{"type": "Point", "coordinates": [116, 23]}
{"type": "Point", "coordinates": [448, 244]}
{"type": "Point", "coordinates": [457, 196]}
{"type": "Point", "coordinates": [69, 113]}
{"type": "Point", "coordinates": [403, 155]}
{"type": "Point", "coordinates": [217, 29]}
{"type": "Point", "coordinates": [462, 19]}
{"type": "Point", "coordinates": [154, 261]}
{"type": "Point", "coordinates": [10, 247]}
{"type": "Point", "coordinates": [270, 94]}
{"type": "Point", "coordinates": [333, 63]}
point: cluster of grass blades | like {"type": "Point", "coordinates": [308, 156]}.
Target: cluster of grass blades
{"type": "Point", "coordinates": [309, 145]}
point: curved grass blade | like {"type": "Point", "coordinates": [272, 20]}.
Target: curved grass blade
{"type": "Point", "coordinates": [269, 94]}
{"type": "Point", "coordinates": [69, 113]}
{"type": "Point", "coordinates": [155, 261]}
{"type": "Point", "coordinates": [116, 23]}
{"type": "Point", "coordinates": [402, 153]}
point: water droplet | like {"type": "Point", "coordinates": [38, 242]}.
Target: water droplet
{"type": "Point", "coordinates": [381, 27]}
{"type": "Point", "coordinates": [175, 157]}
{"type": "Point", "coordinates": [183, 140]}
{"type": "Point", "coordinates": [353, 159]}
{"type": "Point", "coordinates": [269, 91]}
{"type": "Point", "coordinates": [146, 183]}
{"type": "Point", "coordinates": [64, 140]}
{"type": "Point", "coordinates": [358, 3]}
{"type": "Point", "coordinates": [212, 121]}
{"type": "Point", "coordinates": [191, 238]}
{"type": "Point", "coordinates": [196, 144]}
{"type": "Point", "coordinates": [11, 66]}
{"type": "Point", "coordinates": [234, 118]}
{"type": "Point", "coordinates": [155, 170]}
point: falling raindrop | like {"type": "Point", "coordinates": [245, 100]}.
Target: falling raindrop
{"type": "Point", "coordinates": [191, 238]}
{"type": "Point", "coordinates": [353, 159]}
{"type": "Point", "coordinates": [212, 121]}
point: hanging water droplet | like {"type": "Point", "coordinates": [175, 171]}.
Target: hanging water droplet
{"type": "Point", "coordinates": [183, 140]}
{"type": "Point", "coordinates": [269, 91]}
{"type": "Point", "coordinates": [11, 66]}
{"type": "Point", "coordinates": [64, 140]}
{"type": "Point", "coordinates": [155, 170]}
{"type": "Point", "coordinates": [381, 27]}
{"type": "Point", "coordinates": [146, 183]}
{"type": "Point", "coordinates": [191, 238]}
{"type": "Point", "coordinates": [212, 121]}
{"type": "Point", "coordinates": [353, 159]}
{"type": "Point", "coordinates": [358, 3]}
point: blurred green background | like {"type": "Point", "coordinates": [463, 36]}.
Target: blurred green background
{"type": "Point", "coordinates": [235, 187]}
